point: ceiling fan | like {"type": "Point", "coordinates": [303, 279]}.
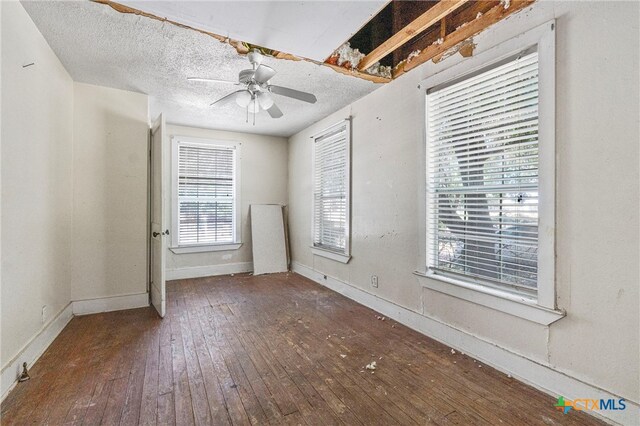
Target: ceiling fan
{"type": "Point", "coordinates": [256, 94]}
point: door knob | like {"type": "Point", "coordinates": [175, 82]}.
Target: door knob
{"type": "Point", "coordinates": [155, 234]}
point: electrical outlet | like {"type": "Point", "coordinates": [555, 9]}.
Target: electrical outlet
{"type": "Point", "coordinates": [374, 281]}
{"type": "Point", "coordinates": [44, 313]}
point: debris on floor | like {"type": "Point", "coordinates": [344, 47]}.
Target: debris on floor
{"type": "Point", "coordinates": [371, 366]}
{"type": "Point", "coordinates": [453, 352]}
{"type": "Point", "coordinates": [343, 356]}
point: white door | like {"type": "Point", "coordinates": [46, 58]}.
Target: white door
{"type": "Point", "coordinates": [159, 229]}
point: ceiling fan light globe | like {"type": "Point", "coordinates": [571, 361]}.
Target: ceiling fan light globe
{"type": "Point", "coordinates": [265, 100]}
{"type": "Point", "coordinates": [243, 99]}
{"type": "Point", "coordinates": [254, 106]}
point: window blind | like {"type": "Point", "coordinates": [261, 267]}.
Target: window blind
{"type": "Point", "coordinates": [206, 194]}
{"type": "Point", "coordinates": [482, 176]}
{"type": "Point", "coordinates": [330, 190]}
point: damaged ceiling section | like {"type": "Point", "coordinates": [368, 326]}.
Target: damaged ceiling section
{"type": "Point", "coordinates": [406, 34]}
{"type": "Point", "coordinates": [183, 17]}
{"type": "Point", "coordinates": [101, 45]}
{"type": "Point", "coordinates": [154, 47]}
{"type": "Point", "coordinates": [393, 40]}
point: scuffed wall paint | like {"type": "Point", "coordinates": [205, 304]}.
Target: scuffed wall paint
{"type": "Point", "coordinates": [37, 133]}
{"type": "Point", "coordinates": [597, 245]}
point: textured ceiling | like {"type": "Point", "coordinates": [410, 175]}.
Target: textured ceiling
{"type": "Point", "coordinates": [310, 29]}
{"type": "Point", "coordinates": [101, 46]}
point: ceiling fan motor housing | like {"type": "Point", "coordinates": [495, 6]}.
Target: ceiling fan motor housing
{"type": "Point", "coordinates": [245, 76]}
{"type": "Point", "coordinates": [255, 57]}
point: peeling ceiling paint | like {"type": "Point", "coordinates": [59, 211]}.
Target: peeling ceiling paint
{"type": "Point", "coordinates": [101, 46]}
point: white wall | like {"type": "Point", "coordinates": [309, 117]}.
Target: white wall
{"type": "Point", "coordinates": [263, 180]}
{"type": "Point", "coordinates": [74, 196]}
{"type": "Point", "coordinates": [109, 193]}
{"type": "Point", "coordinates": [37, 134]}
{"type": "Point", "coordinates": [597, 199]}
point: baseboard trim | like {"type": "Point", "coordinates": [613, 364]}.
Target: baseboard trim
{"type": "Point", "coordinates": [208, 271]}
{"type": "Point", "coordinates": [540, 376]}
{"type": "Point", "coordinates": [32, 351]}
{"type": "Point", "coordinates": [108, 304]}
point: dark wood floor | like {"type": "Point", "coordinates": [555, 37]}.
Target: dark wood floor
{"type": "Point", "coordinates": [275, 349]}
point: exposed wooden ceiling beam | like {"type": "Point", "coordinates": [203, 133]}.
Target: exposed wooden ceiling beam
{"type": "Point", "coordinates": [418, 25]}
{"type": "Point", "coordinates": [462, 33]}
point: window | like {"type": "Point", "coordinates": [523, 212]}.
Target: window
{"type": "Point", "coordinates": [491, 173]}
{"type": "Point", "coordinates": [205, 207]}
{"type": "Point", "coordinates": [331, 181]}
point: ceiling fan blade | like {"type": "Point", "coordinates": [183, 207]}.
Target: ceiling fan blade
{"type": "Point", "coordinates": [212, 80]}
{"type": "Point", "coordinates": [223, 100]}
{"type": "Point", "coordinates": [264, 74]}
{"type": "Point", "coordinates": [274, 111]}
{"type": "Point", "coordinates": [291, 93]}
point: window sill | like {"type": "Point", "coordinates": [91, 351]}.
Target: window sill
{"type": "Point", "coordinates": [519, 306]}
{"type": "Point", "coordinates": [338, 257]}
{"type": "Point", "coordinates": [202, 249]}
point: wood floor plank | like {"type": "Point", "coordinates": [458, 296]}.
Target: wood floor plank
{"type": "Point", "coordinates": [23, 400]}
{"type": "Point", "coordinates": [100, 396]}
{"type": "Point", "coordinates": [181, 389]}
{"type": "Point", "coordinates": [273, 349]}
{"type": "Point", "coordinates": [233, 402]}
{"type": "Point", "coordinates": [63, 385]}
{"type": "Point", "coordinates": [165, 401]}
{"type": "Point", "coordinates": [135, 385]}
{"type": "Point", "coordinates": [240, 381]}
{"type": "Point", "coordinates": [85, 390]}
{"type": "Point", "coordinates": [199, 400]}
{"type": "Point", "coordinates": [149, 403]}
{"type": "Point", "coordinates": [215, 397]}
{"type": "Point", "coordinates": [313, 408]}
{"type": "Point", "coordinates": [260, 390]}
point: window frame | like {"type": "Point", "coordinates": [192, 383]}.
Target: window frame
{"type": "Point", "coordinates": [175, 207]}
{"type": "Point", "coordinates": [339, 256]}
{"type": "Point", "coordinates": [543, 37]}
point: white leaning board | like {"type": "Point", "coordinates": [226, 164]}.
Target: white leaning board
{"type": "Point", "coordinates": [268, 239]}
